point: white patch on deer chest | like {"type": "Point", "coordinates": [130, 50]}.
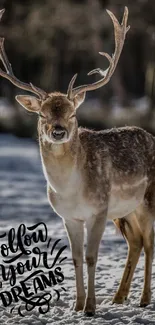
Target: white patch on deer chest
{"type": "Point", "coordinates": [69, 201]}
{"type": "Point", "coordinates": [126, 197]}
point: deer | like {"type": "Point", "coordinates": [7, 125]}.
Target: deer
{"type": "Point", "coordinates": [95, 176]}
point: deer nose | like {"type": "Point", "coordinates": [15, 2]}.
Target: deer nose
{"type": "Point", "coordinates": [59, 132]}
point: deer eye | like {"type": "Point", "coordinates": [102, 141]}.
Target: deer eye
{"type": "Point", "coordinates": [40, 115]}
{"type": "Point", "coordinates": [74, 115]}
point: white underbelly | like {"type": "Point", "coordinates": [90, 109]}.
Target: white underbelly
{"type": "Point", "coordinates": [125, 199]}
{"type": "Point", "coordinates": [120, 208]}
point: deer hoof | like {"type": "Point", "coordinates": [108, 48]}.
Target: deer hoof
{"type": "Point", "coordinates": [90, 306]}
{"type": "Point", "coordinates": [89, 313]}
{"type": "Point", "coordinates": [119, 299]}
{"type": "Point", "coordinates": [79, 304]}
{"type": "Point", "coordinates": [144, 302]}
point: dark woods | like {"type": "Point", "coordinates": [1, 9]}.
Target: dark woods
{"type": "Point", "coordinates": [48, 41]}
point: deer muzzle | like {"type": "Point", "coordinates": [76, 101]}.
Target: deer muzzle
{"type": "Point", "coordinates": [59, 133]}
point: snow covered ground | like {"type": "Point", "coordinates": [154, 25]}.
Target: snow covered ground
{"type": "Point", "coordinates": [23, 200]}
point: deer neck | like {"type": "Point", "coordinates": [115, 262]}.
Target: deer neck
{"type": "Point", "coordinates": [60, 161]}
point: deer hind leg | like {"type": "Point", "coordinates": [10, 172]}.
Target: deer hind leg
{"type": "Point", "coordinates": [145, 221]}
{"type": "Point", "coordinates": [132, 234]}
{"type": "Point", "coordinates": [75, 230]}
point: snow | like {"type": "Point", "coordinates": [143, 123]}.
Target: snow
{"type": "Point", "coordinates": [23, 200]}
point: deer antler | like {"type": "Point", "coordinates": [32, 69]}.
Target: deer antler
{"type": "Point", "coordinates": [120, 33]}
{"type": "Point", "coordinates": [10, 75]}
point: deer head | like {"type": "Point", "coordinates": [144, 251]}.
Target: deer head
{"type": "Point", "coordinates": [57, 111]}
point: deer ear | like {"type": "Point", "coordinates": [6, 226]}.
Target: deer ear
{"type": "Point", "coordinates": [30, 103]}
{"type": "Point", "coordinates": [79, 99]}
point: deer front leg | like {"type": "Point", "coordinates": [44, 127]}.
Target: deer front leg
{"type": "Point", "coordinates": [75, 230]}
{"type": "Point", "coordinates": [95, 227]}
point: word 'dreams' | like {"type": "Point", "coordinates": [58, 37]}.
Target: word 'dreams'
{"type": "Point", "coordinates": [21, 257]}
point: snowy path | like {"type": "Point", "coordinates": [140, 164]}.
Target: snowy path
{"type": "Point", "coordinates": [23, 200]}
